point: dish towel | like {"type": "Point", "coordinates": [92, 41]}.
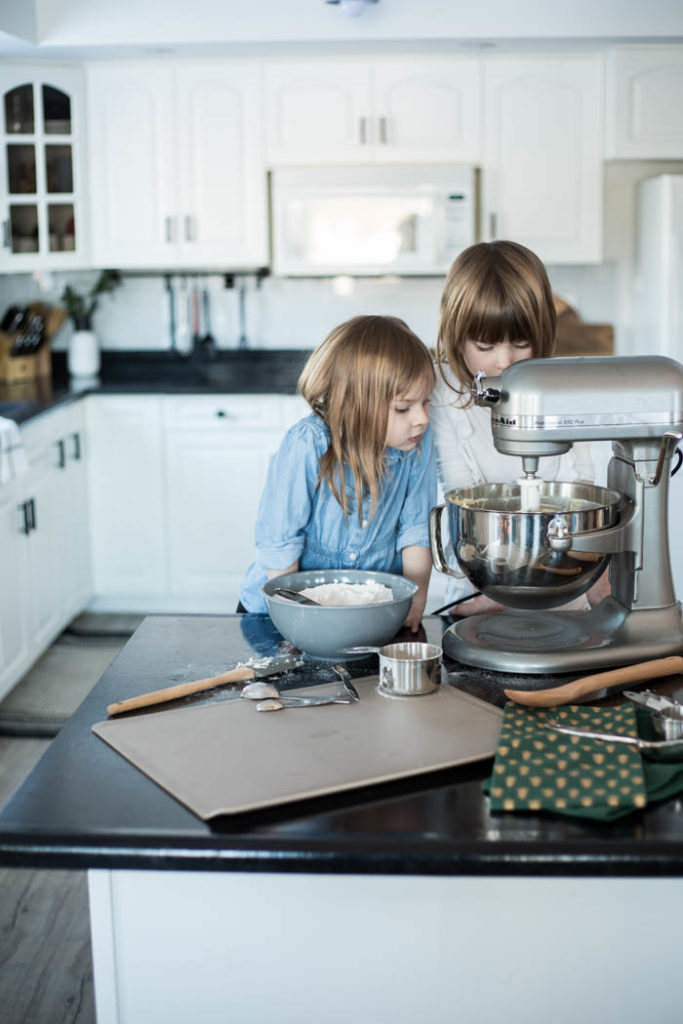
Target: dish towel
{"type": "Point", "coordinates": [538, 769]}
{"type": "Point", "coordinates": [13, 460]}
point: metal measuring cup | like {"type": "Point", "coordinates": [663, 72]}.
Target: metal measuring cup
{"type": "Point", "coordinates": [409, 669]}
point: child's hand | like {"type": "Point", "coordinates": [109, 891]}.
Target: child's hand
{"type": "Point", "coordinates": [477, 606]}
{"type": "Point", "coordinates": [414, 616]}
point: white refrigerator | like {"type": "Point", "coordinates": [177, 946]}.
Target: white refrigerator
{"type": "Point", "coordinates": [658, 307]}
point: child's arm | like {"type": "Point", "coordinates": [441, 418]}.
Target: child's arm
{"type": "Point", "coordinates": [417, 566]}
{"type": "Point", "coordinates": [294, 567]}
{"type": "Point", "coordinates": [286, 503]}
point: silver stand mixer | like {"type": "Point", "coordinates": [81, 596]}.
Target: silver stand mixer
{"type": "Point", "coordinates": [540, 407]}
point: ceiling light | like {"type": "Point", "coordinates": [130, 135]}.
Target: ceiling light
{"type": "Point", "coordinates": [352, 7]}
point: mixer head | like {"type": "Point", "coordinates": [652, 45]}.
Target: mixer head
{"type": "Point", "coordinates": [542, 406]}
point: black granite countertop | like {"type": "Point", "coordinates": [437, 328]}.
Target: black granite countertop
{"type": "Point", "coordinates": [85, 806]}
{"type": "Point", "coordinates": [238, 371]}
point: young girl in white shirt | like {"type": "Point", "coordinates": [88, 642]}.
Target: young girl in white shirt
{"type": "Point", "coordinates": [496, 309]}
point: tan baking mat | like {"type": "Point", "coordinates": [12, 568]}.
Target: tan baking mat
{"type": "Point", "coordinates": [227, 757]}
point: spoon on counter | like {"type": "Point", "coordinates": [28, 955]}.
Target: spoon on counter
{"type": "Point", "coordinates": [568, 693]}
{"type": "Point", "coordinates": [270, 698]}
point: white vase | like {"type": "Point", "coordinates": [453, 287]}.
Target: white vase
{"type": "Point", "coordinates": [83, 356]}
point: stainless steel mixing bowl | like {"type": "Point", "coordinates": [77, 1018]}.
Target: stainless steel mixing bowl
{"type": "Point", "coordinates": [327, 630]}
{"type": "Point", "coordinates": [507, 554]}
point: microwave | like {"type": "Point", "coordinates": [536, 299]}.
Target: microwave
{"type": "Point", "coordinates": [371, 220]}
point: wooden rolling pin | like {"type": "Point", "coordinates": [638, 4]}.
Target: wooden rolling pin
{"type": "Point", "coordinates": [240, 674]}
{"type": "Point", "coordinates": [570, 692]}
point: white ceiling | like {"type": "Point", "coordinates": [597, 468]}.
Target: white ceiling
{"type": "Point", "coordinates": [98, 28]}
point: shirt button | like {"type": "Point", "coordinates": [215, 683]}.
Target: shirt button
{"type": "Point", "coordinates": [352, 556]}
{"type": "Point", "coordinates": [364, 523]}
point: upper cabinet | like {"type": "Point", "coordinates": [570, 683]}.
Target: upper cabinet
{"type": "Point", "coordinates": [542, 170]}
{"type": "Point", "coordinates": [41, 186]}
{"type": "Point", "coordinates": [176, 164]}
{"type": "Point", "coordinates": [645, 103]}
{"type": "Point", "coordinates": [383, 109]}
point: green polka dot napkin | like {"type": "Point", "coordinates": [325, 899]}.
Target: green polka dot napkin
{"type": "Point", "coordinates": [538, 769]}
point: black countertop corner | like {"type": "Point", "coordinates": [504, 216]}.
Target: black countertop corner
{"type": "Point", "coordinates": [85, 806]}
{"type": "Point", "coordinates": [234, 371]}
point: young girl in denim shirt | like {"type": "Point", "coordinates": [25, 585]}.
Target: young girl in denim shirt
{"type": "Point", "coordinates": [352, 483]}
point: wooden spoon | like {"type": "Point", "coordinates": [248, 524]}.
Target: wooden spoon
{"type": "Point", "coordinates": [570, 692]}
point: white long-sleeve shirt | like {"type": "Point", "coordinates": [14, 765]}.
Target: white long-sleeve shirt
{"type": "Point", "coordinates": [466, 455]}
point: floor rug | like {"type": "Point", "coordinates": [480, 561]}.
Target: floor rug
{"type": "Point", "coordinates": [50, 692]}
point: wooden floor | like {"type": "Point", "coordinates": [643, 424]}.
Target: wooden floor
{"type": "Point", "coordinates": [45, 959]}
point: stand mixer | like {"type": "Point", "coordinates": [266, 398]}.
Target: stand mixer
{"type": "Point", "coordinates": [540, 407]}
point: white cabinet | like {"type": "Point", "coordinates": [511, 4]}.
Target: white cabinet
{"type": "Point", "coordinates": [43, 542]}
{"type": "Point", "coordinates": [543, 162]}
{"type": "Point", "coordinates": [13, 595]}
{"type": "Point", "coordinates": [383, 109]}
{"type": "Point", "coordinates": [41, 182]}
{"type": "Point", "coordinates": [175, 164]}
{"type": "Point", "coordinates": [217, 453]}
{"type": "Point", "coordinates": [72, 498]}
{"type": "Point", "coordinates": [644, 103]}
{"type": "Point", "coordinates": [174, 485]}
{"type": "Point", "coordinates": [125, 486]}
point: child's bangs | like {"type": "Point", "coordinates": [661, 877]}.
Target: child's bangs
{"type": "Point", "coordinates": [491, 325]}
{"type": "Point", "coordinates": [411, 366]}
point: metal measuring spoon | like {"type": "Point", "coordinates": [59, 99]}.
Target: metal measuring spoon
{"type": "Point", "coordinates": [278, 703]}
{"type": "Point", "coordinates": [295, 595]}
{"type": "Point", "coordinates": [655, 750]}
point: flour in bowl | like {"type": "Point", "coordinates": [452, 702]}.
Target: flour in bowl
{"type": "Point", "coordinates": [349, 593]}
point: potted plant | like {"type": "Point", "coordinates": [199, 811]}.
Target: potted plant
{"type": "Point", "coordinates": [83, 357]}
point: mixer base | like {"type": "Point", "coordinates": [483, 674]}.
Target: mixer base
{"type": "Point", "coordinates": [556, 641]}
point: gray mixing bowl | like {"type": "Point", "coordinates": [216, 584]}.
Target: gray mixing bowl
{"type": "Point", "coordinates": [324, 632]}
{"type": "Point", "coordinates": [506, 554]}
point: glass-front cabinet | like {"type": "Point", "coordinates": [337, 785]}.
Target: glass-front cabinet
{"type": "Point", "coordinates": [40, 172]}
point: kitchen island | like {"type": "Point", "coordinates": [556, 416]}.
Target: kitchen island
{"type": "Point", "coordinates": [401, 902]}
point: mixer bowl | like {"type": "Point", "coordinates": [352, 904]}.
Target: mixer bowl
{"type": "Point", "coordinates": [506, 553]}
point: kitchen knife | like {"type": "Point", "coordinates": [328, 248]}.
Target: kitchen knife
{"type": "Point", "coordinates": [570, 692]}
{"type": "Point", "coordinates": [239, 674]}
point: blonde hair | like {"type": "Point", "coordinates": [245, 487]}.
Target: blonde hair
{"type": "Point", "coordinates": [495, 291]}
{"type": "Point", "coordinates": [350, 381]}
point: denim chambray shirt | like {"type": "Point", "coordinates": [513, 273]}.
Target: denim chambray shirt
{"type": "Point", "coordinates": [301, 521]}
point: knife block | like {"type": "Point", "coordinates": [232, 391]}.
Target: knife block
{"type": "Point", "coordinates": [30, 366]}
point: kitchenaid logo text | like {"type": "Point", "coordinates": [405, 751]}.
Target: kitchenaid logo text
{"type": "Point", "coordinates": [541, 422]}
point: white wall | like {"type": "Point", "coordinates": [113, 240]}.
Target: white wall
{"type": "Point", "coordinates": [18, 18]}
{"type": "Point", "coordinates": [87, 22]}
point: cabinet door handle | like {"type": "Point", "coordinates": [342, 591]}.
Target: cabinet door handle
{"type": "Point", "coordinates": [383, 134]}
{"type": "Point", "coordinates": [493, 226]}
{"type": "Point", "coordinates": [25, 515]}
{"type": "Point", "coordinates": [61, 460]}
{"type": "Point", "coordinates": [363, 130]}
{"type": "Point", "coordinates": [77, 446]}
{"type": "Point", "coordinates": [169, 223]}
{"type": "Point", "coordinates": [33, 522]}
{"type": "Point", "coordinates": [190, 229]}
{"type": "Point", "coordinates": [5, 234]}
